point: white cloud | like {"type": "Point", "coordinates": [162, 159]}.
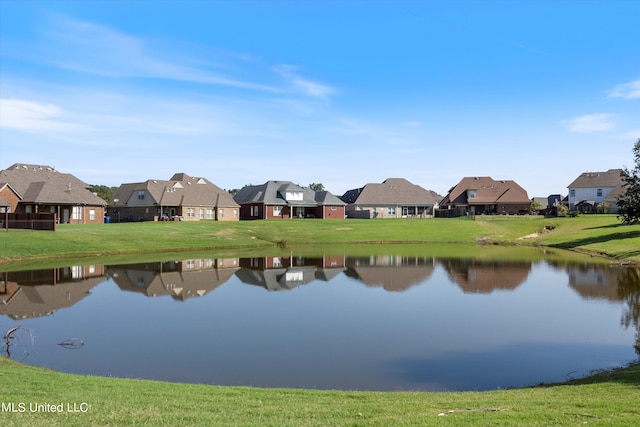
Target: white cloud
{"type": "Point", "coordinates": [591, 123]}
{"type": "Point", "coordinates": [32, 116]}
{"type": "Point", "coordinates": [307, 87]}
{"type": "Point", "coordinates": [629, 90]}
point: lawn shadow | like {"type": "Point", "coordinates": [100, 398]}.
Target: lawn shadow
{"type": "Point", "coordinates": [600, 239]}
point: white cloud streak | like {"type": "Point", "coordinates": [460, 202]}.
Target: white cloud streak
{"type": "Point", "coordinates": [591, 123]}
{"type": "Point", "coordinates": [95, 49]}
{"type": "Point", "coordinates": [33, 116]}
{"type": "Point", "coordinates": [629, 90]}
{"type": "Point", "coordinates": [302, 85]}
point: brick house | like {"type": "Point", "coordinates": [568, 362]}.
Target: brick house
{"type": "Point", "coordinates": [29, 189]}
{"type": "Point", "coordinates": [284, 199]}
{"type": "Point", "coordinates": [484, 195]}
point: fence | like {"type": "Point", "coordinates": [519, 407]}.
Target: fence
{"type": "Point", "coordinates": [29, 221]}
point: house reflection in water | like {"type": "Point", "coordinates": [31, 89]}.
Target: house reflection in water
{"type": "Point", "coordinates": [393, 273]}
{"type": "Point", "coordinates": [483, 277]}
{"type": "Point", "coordinates": [284, 273]}
{"type": "Point", "coordinates": [35, 293]}
{"type": "Point", "coordinates": [179, 279]}
{"type": "Point", "coordinates": [595, 281]}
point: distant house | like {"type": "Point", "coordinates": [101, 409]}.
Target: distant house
{"type": "Point", "coordinates": [394, 198]}
{"type": "Point", "coordinates": [484, 195]}
{"type": "Point", "coordinates": [590, 189]}
{"type": "Point", "coordinates": [29, 188]}
{"type": "Point", "coordinates": [9, 198]}
{"type": "Point", "coordinates": [284, 199]}
{"type": "Point", "coordinates": [180, 198]}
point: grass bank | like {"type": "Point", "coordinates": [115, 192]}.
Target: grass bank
{"type": "Point", "coordinates": [602, 400]}
{"type": "Point", "coordinates": [595, 234]}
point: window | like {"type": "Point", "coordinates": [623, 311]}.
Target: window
{"type": "Point", "coordinates": [293, 195]}
{"type": "Point", "coordinates": [76, 212]}
{"type": "Point", "coordinates": [220, 213]}
{"type": "Point", "coordinates": [392, 211]}
{"type": "Point", "coordinates": [191, 212]}
{"type": "Point", "coordinates": [254, 211]}
{"type": "Point", "coordinates": [472, 194]}
{"type": "Point", "coordinates": [277, 210]}
{"type": "Point", "coordinates": [140, 195]}
{"type": "Point", "coordinates": [572, 193]}
{"type": "Point", "coordinates": [210, 213]}
{"type": "Point", "coordinates": [92, 214]}
{"type": "Point", "coordinates": [599, 192]}
{"type": "Point", "coordinates": [201, 213]}
{"type": "Point", "coordinates": [334, 208]}
{"type": "Point", "coordinates": [235, 213]}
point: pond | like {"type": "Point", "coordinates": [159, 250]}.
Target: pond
{"type": "Point", "coordinates": [366, 322]}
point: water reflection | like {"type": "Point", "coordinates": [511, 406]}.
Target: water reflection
{"type": "Point", "coordinates": [179, 279]}
{"type": "Point", "coordinates": [285, 273]}
{"type": "Point", "coordinates": [35, 293]}
{"type": "Point", "coordinates": [404, 325]}
{"type": "Point", "coordinates": [476, 276]}
{"type": "Point", "coordinates": [393, 273]}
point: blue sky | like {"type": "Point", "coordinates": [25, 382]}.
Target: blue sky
{"type": "Point", "coordinates": [338, 92]}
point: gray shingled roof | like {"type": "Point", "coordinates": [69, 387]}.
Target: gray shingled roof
{"type": "Point", "coordinates": [180, 190]}
{"type": "Point", "coordinates": [392, 191]}
{"type": "Point", "coordinates": [610, 178]}
{"type": "Point", "coordinates": [44, 184]}
{"type": "Point", "coordinates": [272, 193]}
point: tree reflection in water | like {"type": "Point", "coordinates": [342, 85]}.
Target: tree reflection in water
{"type": "Point", "coordinates": [629, 291]}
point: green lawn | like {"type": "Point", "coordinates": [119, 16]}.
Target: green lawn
{"type": "Point", "coordinates": [595, 234]}
{"type": "Point", "coordinates": [605, 400]}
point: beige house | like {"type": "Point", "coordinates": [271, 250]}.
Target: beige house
{"type": "Point", "coordinates": [183, 198]}
{"type": "Point", "coordinates": [394, 198]}
{"type": "Point", "coordinates": [590, 189]}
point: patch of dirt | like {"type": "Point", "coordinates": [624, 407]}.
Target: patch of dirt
{"type": "Point", "coordinates": [529, 236]}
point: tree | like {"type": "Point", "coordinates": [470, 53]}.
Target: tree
{"type": "Point", "coordinates": [536, 207]}
{"type": "Point", "coordinates": [316, 186]}
{"type": "Point", "coordinates": [629, 202]}
{"type": "Point", "coordinates": [103, 191]}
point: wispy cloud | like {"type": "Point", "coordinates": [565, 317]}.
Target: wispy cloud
{"type": "Point", "coordinates": [33, 117]}
{"type": "Point", "coordinates": [95, 49]}
{"type": "Point", "coordinates": [591, 123]}
{"type": "Point", "coordinates": [302, 85]}
{"type": "Point", "coordinates": [629, 90]}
